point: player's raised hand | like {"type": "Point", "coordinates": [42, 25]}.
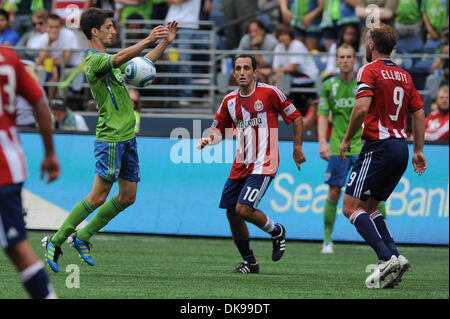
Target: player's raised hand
{"type": "Point", "coordinates": [203, 142]}
{"type": "Point", "coordinates": [172, 26]}
{"type": "Point", "coordinates": [50, 165]}
{"type": "Point", "coordinates": [299, 157]}
{"type": "Point", "coordinates": [345, 147]}
{"type": "Point", "coordinates": [158, 32]}
{"type": "Point", "coordinates": [419, 162]}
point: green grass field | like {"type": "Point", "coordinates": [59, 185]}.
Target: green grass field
{"type": "Point", "coordinates": [158, 267]}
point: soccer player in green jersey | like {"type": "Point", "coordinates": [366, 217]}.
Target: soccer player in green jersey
{"type": "Point", "coordinates": [115, 145]}
{"type": "Point", "coordinates": [338, 97]}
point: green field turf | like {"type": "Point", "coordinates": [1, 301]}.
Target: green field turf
{"type": "Point", "coordinates": [129, 266]}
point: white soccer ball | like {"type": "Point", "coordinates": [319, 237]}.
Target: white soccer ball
{"type": "Point", "coordinates": [140, 72]}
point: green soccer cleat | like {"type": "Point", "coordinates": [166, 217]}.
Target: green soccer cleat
{"type": "Point", "coordinates": [83, 248]}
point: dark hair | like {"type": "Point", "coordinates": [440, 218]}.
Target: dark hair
{"type": "Point", "coordinates": [356, 43]}
{"type": "Point", "coordinates": [4, 13]}
{"type": "Point", "coordinates": [260, 25]}
{"type": "Point", "coordinates": [254, 62]}
{"type": "Point", "coordinates": [53, 16]}
{"type": "Point", "coordinates": [384, 38]}
{"type": "Point", "coordinates": [58, 105]}
{"type": "Point", "coordinates": [284, 28]}
{"type": "Point", "coordinates": [94, 18]}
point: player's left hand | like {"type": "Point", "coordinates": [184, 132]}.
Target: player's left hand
{"type": "Point", "coordinates": [419, 162]}
{"type": "Point", "coordinates": [299, 157]}
{"type": "Point", "coordinates": [173, 29]}
{"type": "Point", "coordinates": [345, 147]}
{"type": "Point", "coordinates": [50, 165]}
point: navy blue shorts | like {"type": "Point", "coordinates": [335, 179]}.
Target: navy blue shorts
{"type": "Point", "coordinates": [247, 191]}
{"type": "Point", "coordinates": [379, 168]}
{"type": "Point", "coordinates": [337, 170]}
{"type": "Point", "coordinates": [12, 224]}
{"type": "Point", "coordinates": [117, 159]}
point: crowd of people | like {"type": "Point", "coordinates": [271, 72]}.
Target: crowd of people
{"type": "Point", "coordinates": [300, 28]}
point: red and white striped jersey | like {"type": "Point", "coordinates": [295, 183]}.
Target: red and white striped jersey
{"type": "Point", "coordinates": [436, 127]}
{"type": "Point", "coordinates": [255, 119]}
{"type": "Point", "coordinates": [393, 94]}
{"type": "Point", "coordinates": [14, 80]}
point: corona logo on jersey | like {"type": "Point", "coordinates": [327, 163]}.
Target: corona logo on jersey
{"type": "Point", "coordinates": [252, 122]}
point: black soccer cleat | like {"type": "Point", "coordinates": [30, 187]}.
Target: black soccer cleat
{"type": "Point", "coordinates": [279, 244]}
{"type": "Point", "coordinates": [246, 268]}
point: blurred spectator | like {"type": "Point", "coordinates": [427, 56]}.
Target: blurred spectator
{"type": "Point", "coordinates": [30, 39]}
{"type": "Point", "coordinates": [57, 37]}
{"type": "Point", "coordinates": [142, 7]}
{"type": "Point", "coordinates": [440, 66]}
{"type": "Point", "coordinates": [311, 119]}
{"type": "Point", "coordinates": [65, 119]}
{"type": "Point", "coordinates": [436, 123]}
{"type": "Point", "coordinates": [7, 36]}
{"type": "Point", "coordinates": [350, 36]}
{"type": "Point", "coordinates": [232, 10]}
{"type": "Point", "coordinates": [300, 66]}
{"type": "Point", "coordinates": [408, 19]}
{"type": "Point", "coordinates": [69, 11]}
{"type": "Point", "coordinates": [137, 106]}
{"type": "Point", "coordinates": [435, 17]}
{"type": "Point", "coordinates": [187, 13]}
{"type": "Point", "coordinates": [135, 29]}
{"type": "Point", "coordinates": [259, 38]}
{"type": "Point", "coordinates": [347, 15]}
{"type": "Point", "coordinates": [329, 23]}
{"type": "Point", "coordinates": [305, 16]}
{"type": "Point", "coordinates": [386, 13]}
{"type": "Point", "coordinates": [22, 10]}
{"type": "Point", "coordinates": [113, 5]}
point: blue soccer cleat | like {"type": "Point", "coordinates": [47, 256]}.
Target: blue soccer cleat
{"type": "Point", "coordinates": [52, 253]}
{"type": "Point", "coordinates": [83, 248]}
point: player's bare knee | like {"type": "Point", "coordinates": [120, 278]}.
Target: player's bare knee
{"type": "Point", "coordinates": [126, 200]}
{"type": "Point", "coordinates": [244, 210]}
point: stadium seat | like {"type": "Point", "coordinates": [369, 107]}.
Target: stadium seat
{"type": "Point", "coordinates": [406, 63]}
{"type": "Point", "coordinates": [321, 61]}
{"type": "Point", "coordinates": [410, 44]}
{"type": "Point", "coordinates": [422, 66]}
{"type": "Point", "coordinates": [431, 45]}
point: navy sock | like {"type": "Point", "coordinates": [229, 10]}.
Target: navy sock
{"type": "Point", "coordinates": [245, 250]}
{"type": "Point", "coordinates": [276, 230]}
{"type": "Point", "coordinates": [367, 229]}
{"type": "Point", "coordinates": [36, 282]}
{"type": "Point", "coordinates": [383, 229]}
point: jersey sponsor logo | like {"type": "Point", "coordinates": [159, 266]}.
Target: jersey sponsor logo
{"type": "Point", "coordinates": [345, 102]}
{"type": "Point", "coordinates": [258, 105]}
{"type": "Point", "coordinates": [252, 122]}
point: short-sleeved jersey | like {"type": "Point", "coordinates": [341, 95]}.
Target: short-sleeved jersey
{"type": "Point", "coordinates": [393, 94]}
{"type": "Point", "coordinates": [338, 98]}
{"type": "Point", "coordinates": [436, 127]}
{"type": "Point", "coordinates": [255, 119]}
{"type": "Point", "coordinates": [116, 119]}
{"type": "Point", "coordinates": [14, 81]}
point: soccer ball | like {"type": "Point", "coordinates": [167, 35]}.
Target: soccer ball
{"type": "Point", "coordinates": [140, 72]}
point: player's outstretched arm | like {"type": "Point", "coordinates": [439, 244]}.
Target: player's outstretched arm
{"type": "Point", "coordinates": [50, 164]}
{"type": "Point", "coordinates": [418, 127]}
{"type": "Point", "coordinates": [158, 51]}
{"type": "Point", "coordinates": [298, 155]}
{"type": "Point", "coordinates": [127, 54]}
{"type": "Point", "coordinates": [359, 113]}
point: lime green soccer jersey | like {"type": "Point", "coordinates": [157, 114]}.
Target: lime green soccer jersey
{"type": "Point", "coordinates": [339, 98]}
{"type": "Point", "coordinates": [116, 119]}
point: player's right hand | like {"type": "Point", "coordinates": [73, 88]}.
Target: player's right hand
{"type": "Point", "coordinates": [203, 142]}
{"type": "Point", "coordinates": [159, 32]}
{"type": "Point", "coordinates": [50, 165]}
{"type": "Point", "coordinates": [345, 147]}
{"type": "Point", "coordinates": [324, 151]}
{"type": "Point", "coordinates": [419, 162]}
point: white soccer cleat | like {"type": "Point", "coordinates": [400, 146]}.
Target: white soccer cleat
{"type": "Point", "coordinates": [327, 248]}
{"type": "Point", "coordinates": [394, 278]}
{"type": "Point", "coordinates": [382, 271]}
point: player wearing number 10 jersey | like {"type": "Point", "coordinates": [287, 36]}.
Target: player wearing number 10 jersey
{"type": "Point", "coordinates": [385, 94]}
{"type": "Point", "coordinates": [252, 110]}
